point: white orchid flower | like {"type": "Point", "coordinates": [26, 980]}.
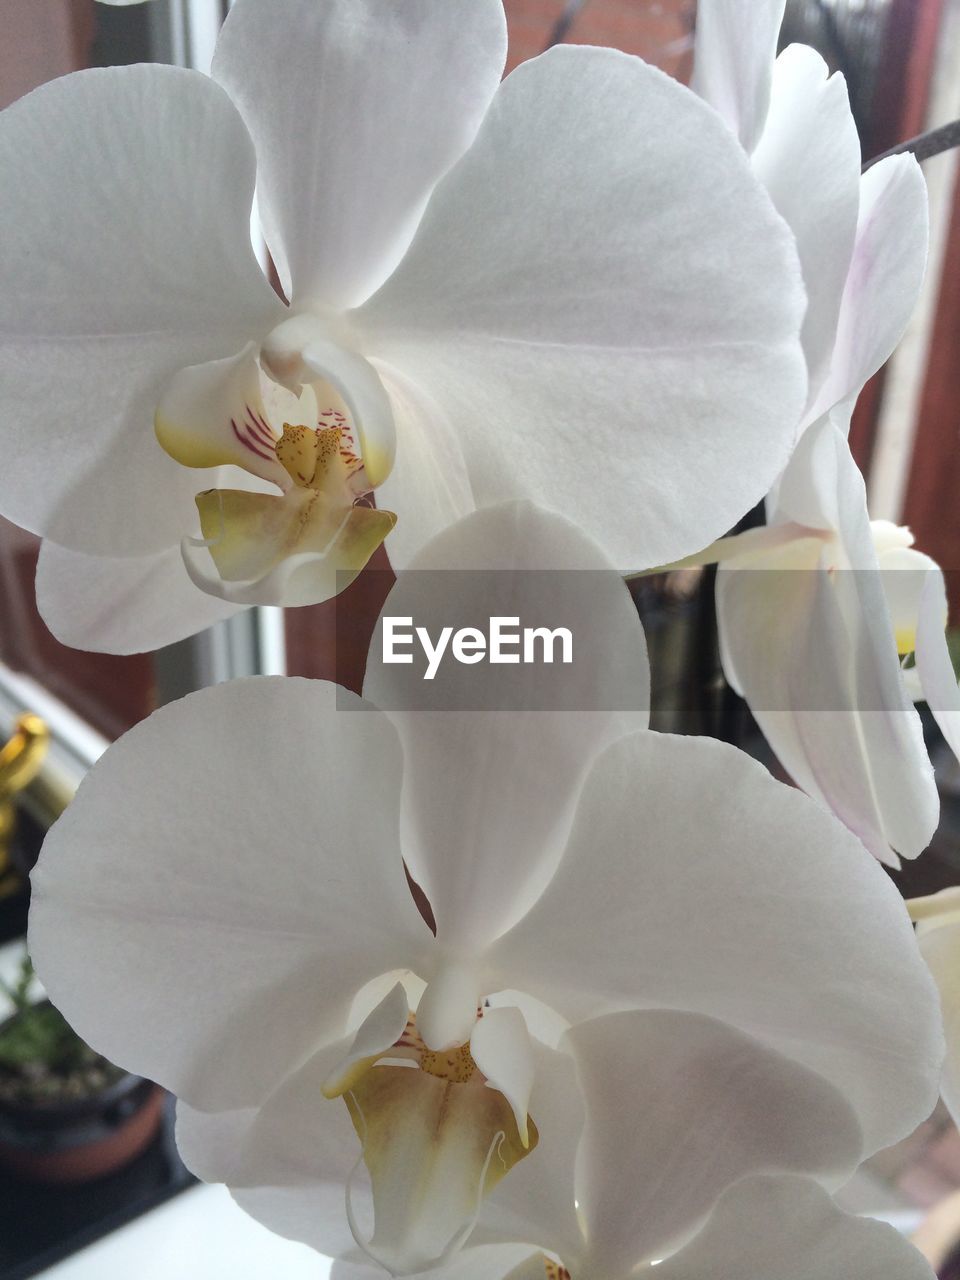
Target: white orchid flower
{"type": "Point", "coordinates": [567, 856]}
{"type": "Point", "coordinates": [810, 643]}
{"type": "Point", "coordinates": [808, 638]}
{"type": "Point", "coordinates": [669, 1147]}
{"type": "Point", "coordinates": [862, 241]}
{"type": "Point", "coordinates": [568, 287]}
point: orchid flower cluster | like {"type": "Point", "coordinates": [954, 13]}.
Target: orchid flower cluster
{"type": "Point", "coordinates": [449, 980]}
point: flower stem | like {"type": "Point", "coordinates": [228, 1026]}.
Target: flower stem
{"type": "Point", "coordinates": [932, 143]}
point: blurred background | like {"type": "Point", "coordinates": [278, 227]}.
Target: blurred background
{"type": "Point", "coordinates": [901, 59]}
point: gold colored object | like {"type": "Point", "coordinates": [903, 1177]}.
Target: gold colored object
{"type": "Point", "coordinates": [20, 762]}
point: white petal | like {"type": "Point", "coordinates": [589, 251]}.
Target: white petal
{"type": "Point", "coordinates": [940, 947]}
{"type": "Point", "coordinates": [812, 646]}
{"type": "Point", "coordinates": [286, 1163]}
{"type": "Point", "coordinates": [808, 491]}
{"type": "Point", "coordinates": [366, 399]}
{"type": "Point", "coordinates": [679, 1107]}
{"type": "Point", "coordinates": [126, 255]}
{"type": "Point", "coordinates": [905, 574]}
{"type": "Point", "coordinates": [536, 1204]}
{"type": "Point", "coordinates": [829, 698]}
{"type": "Point", "coordinates": [794, 660]}
{"type": "Point", "coordinates": [381, 1029]}
{"type": "Point", "coordinates": [789, 1228]}
{"type": "Point", "coordinates": [494, 754]}
{"type": "Point", "coordinates": [736, 44]}
{"type": "Point", "coordinates": [297, 1138]}
{"type": "Point", "coordinates": [429, 487]}
{"type": "Point", "coordinates": [357, 108]}
{"type": "Point", "coordinates": [900, 770]}
{"type": "Point", "coordinates": [809, 160]}
{"type": "Point", "coordinates": [884, 281]}
{"type": "Point", "coordinates": [488, 1262]}
{"type": "Point", "coordinates": [213, 415]}
{"type": "Point", "coordinates": [589, 300]}
{"type": "Point", "coordinates": [934, 665]}
{"type": "Point", "coordinates": [131, 605]}
{"type": "Point", "coordinates": [736, 897]}
{"type": "Point", "coordinates": [501, 1048]}
{"type": "Point", "coordinates": [248, 881]}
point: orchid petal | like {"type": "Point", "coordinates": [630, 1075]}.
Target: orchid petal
{"type": "Point", "coordinates": [95, 322]}
{"type": "Point", "coordinates": [786, 644]}
{"type": "Point", "coordinates": [590, 324]}
{"type": "Point", "coordinates": [905, 573]}
{"type": "Point", "coordinates": [537, 1203]}
{"type": "Point", "coordinates": [883, 283]}
{"type": "Point", "coordinates": [357, 108]}
{"type": "Point", "coordinates": [679, 1107]}
{"type": "Point", "coordinates": [365, 397]}
{"type": "Point", "coordinates": [130, 605]}
{"type": "Point", "coordinates": [811, 645]}
{"type": "Point", "coordinates": [789, 1228]}
{"type": "Point", "coordinates": [808, 158]}
{"type": "Point", "coordinates": [270, 949]}
{"type": "Point", "coordinates": [297, 1138]}
{"type": "Point", "coordinates": [494, 754]}
{"type": "Point", "coordinates": [286, 1163]}
{"type": "Point", "coordinates": [808, 491]}
{"type": "Point", "coordinates": [380, 1031]}
{"type": "Point", "coordinates": [736, 43]}
{"type": "Point", "coordinates": [934, 666]}
{"type": "Point", "coordinates": [429, 487]}
{"type": "Point", "coordinates": [500, 1046]}
{"type": "Point", "coordinates": [298, 549]}
{"type": "Point", "coordinates": [695, 898]}
{"type": "Point", "coordinates": [942, 906]}
{"type": "Point", "coordinates": [830, 700]}
{"type": "Point", "coordinates": [901, 775]}
{"type": "Point", "coordinates": [212, 415]}
{"type": "Point", "coordinates": [939, 941]}
{"type": "Point", "coordinates": [487, 1262]}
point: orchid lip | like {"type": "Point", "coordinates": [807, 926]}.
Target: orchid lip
{"type": "Point", "coordinates": [441, 1131]}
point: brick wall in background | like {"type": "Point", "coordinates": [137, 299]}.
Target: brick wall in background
{"type": "Point", "coordinates": [658, 31]}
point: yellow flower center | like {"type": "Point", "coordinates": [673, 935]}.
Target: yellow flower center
{"type": "Point", "coordinates": [454, 1065]}
{"type": "Point", "coordinates": [554, 1270]}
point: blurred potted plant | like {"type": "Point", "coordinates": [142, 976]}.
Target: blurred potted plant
{"type": "Point", "coordinates": [67, 1115]}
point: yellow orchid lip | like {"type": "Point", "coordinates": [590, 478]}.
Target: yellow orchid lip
{"type": "Point", "coordinates": [436, 1138]}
